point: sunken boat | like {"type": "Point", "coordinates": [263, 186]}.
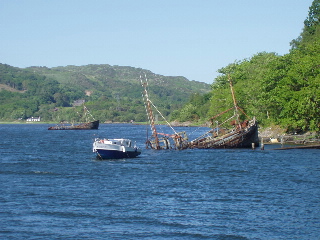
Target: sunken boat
{"type": "Point", "coordinates": [241, 134]}
{"type": "Point", "coordinates": [157, 140]}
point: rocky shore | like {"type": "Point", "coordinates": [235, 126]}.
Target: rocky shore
{"type": "Point", "coordinates": [277, 135]}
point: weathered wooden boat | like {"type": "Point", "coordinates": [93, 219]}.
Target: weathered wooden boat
{"type": "Point", "coordinates": [82, 126]}
{"type": "Point", "coordinates": [243, 134]}
{"type": "Point", "coordinates": [174, 140]}
{"type": "Point", "coordinates": [87, 125]}
{"type": "Point", "coordinates": [115, 148]}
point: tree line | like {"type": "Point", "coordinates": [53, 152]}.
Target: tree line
{"type": "Point", "coordinates": [281, 90]}
{"type": "Point", "coordinates": [111, 93]}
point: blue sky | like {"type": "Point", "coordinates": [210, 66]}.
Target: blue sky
{"type": "Point", "coordinates": [190, 38]}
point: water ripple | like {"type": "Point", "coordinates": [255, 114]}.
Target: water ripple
{"type": "Point", "coordinates": [57, 189]}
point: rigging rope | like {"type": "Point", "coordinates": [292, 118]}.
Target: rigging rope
{"type": "Point", "coordinates": [89, 112]}
{"type": "Point", "coordinates": [146, 98]}
{"type": "Point", "coordinates": [163, 117]}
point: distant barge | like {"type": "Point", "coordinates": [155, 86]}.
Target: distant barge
{"type": "Point", "coordinates": [87, 125]}
{"type": "Point", "coordinates": [82, 126]}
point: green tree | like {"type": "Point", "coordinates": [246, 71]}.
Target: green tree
{"type": "Point", "coordinates": [311, 29]}
{"type": "Point", "coordinates": [313, 20]}
{"type": "Point", "coordinates": [292, 89]}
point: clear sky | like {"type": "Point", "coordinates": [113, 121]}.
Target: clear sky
{"type": "Point", "coordinates": [190, 38]}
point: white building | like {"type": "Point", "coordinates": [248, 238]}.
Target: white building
{"type": "Point", "coordinates": [34, 119]}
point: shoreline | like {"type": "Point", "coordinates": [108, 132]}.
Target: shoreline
{"type": "Point", "coordinates": [267, 135]}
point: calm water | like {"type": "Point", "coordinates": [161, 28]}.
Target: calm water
{"type": "Point", "coordinates": [52, 187]}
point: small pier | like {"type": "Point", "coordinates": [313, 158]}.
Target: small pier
{"type": "Point", "coordinates": [312, 146]}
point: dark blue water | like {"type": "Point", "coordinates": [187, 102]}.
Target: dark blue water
{"type": "Point", "coordinates": [52, 187]}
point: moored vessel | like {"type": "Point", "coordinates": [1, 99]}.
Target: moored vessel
{"type": "Point", "coordinates": [115, 148]}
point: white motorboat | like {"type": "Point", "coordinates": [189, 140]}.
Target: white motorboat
{"type": "Point", "coordinates": [115, 148]}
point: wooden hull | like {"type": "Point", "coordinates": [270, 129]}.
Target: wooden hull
{"type": "Point", "coordinates": [83, 126]}
{"type": "Point", "coordinates": [242, 138]}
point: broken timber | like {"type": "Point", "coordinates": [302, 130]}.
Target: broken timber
{"type": "Point", "coordinates": [161, 140]}
{"type": "Point", "coordinates": [242, 135]}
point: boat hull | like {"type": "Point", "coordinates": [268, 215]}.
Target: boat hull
{"type": "Point", "coordinates": [114, 154]}
{"type": "Point", "coordinates": [245, 138]}
{"type": "Point", "coordinates": [115, 149]}
{"type": "Point", "coordinates": [84, 126]}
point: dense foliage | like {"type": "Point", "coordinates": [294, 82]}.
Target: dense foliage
{"type": "Point", "coordinates": [112, 93]}
{"type": "Point", "coordinates": [282, 90]}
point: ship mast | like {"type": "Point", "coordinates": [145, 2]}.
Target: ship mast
{"type": "Point", "coordinates": [234, 102]}
{"type": "Point", "coordinates": [150, 112]}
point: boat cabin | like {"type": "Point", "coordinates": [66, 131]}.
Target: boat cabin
{"type": "Point", "coordinates": [121, 142]}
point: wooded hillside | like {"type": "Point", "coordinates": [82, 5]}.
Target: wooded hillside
{"type": "Point", "coordinates": [112, 93]}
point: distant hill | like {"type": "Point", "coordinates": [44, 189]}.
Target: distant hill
{"type": "Point", "coordinates": [112, 93]}
{"type": "Point", "coordinates": [118, 79]}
